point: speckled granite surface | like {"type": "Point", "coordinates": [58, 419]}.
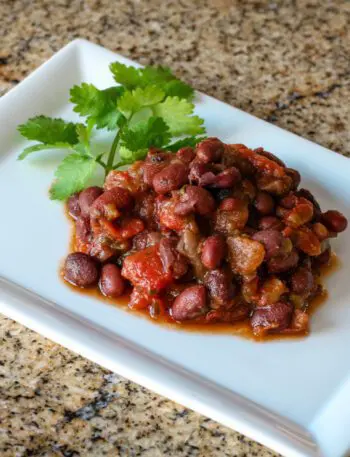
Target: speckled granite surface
{"type": "Point", "coordinates": [287, 62]}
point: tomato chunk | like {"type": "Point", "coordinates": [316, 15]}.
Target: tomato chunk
{"type": "Point", "coordinates": [145, 270]}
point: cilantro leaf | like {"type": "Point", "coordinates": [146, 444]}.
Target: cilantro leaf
{"type": "Point", "coordinates": [49, 131]}
{"type": "Point", "coordinates": [177, 88]}
{"type": "Point", "coordinates": [155, 75]}
{"type": "Point", "coordinates": [177, 113]}
{"type": "Point", "coordinates": [99, 105]}
{"type": "Point", "coordinates": [144, 134]}
{"type": "Point", "coordinates": [41, 147]}
{"type": "Point", "coordinates": [191, 141]}
{"type": "Point", "coordinates": [132, 101]}
{"type": "Point", "coordinates": [124, 75]}
{"type": "Point", "coordinates": [72, 176]}
{"type": "Point", "coordinates": [162, 77]}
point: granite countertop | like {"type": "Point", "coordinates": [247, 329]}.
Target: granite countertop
{"type": "Point", "coordinates": [284, 61]}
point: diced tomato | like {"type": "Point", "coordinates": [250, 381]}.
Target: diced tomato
{"type": "Point", "coordinates": [262, 163]}
{"type": "Point", "coordinates": [130, 180]}
{"type": "Point", "coordinates": [131, 228]}
{"type": "Point", "coordinates": [145, 270]}
{"type": "Point", "coordinates": [139, 299]}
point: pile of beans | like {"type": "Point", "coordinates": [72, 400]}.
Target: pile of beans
{"type": "Point", "coordinates": [216, 233]}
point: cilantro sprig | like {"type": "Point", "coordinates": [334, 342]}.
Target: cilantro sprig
{"type": "Point", "coordinates": [149, 107]}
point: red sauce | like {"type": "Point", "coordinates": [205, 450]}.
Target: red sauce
{"type": "Point", "coordinates": [241, 328]}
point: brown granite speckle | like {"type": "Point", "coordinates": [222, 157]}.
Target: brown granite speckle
{"type": "Point", "coordinates": [284, 61]}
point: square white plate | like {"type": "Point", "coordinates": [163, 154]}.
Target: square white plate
{"type": "Point", "coordinates": [293, 396]}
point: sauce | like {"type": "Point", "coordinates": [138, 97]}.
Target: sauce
{"type": "Point", "coordinates": [240, 328]}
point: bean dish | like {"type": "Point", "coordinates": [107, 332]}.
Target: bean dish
{"type": "Point", "coordinates": [219, 233]}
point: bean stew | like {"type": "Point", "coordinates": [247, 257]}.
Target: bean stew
{"type": "Point", "coordinates": [217, 234]}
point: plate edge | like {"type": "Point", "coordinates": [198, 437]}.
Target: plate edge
{"type": "Point", "coordinates": [126, 358]}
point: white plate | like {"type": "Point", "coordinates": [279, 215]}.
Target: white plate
{"type": "Point", "coordinates": [293, 396]}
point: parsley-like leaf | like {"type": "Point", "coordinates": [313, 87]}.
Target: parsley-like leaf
{"type": "Point", "coordinates": [144, 134]}
{"type": "Point", "coordinates": [72, 176]}
{"type": "Point", "coordinates": [49, 131]}
{"type": "Point", "coordinates": [177, 113]}
{"type": "Point", "coordinates": [132, 101]}
{"type": "Point", "coordinates": [99, 105]}
{"type": "Point", "coordinates": [162, 77]}
{"type": "Point", "coordinates": [191, 141]}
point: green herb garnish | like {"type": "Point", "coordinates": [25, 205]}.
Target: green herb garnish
{"type": "Point", "coordinates": [149, 107]}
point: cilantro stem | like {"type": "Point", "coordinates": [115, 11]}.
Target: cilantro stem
{"type": "Point", "coordinates": [112, 152]}
{"type": "Point", "coordinates": [98, 160]}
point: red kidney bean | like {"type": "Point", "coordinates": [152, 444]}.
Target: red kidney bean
{"type": "Point", "coordinates": [73, 206]}
{"type": "Point", "coordinates": [264, 203]}
{"type": "Point", "coordinates": [213, 251]}
{"type": "Point", "coordinates": [197, 170]}
{"type": "Point", "coordinates": [155, 162]}
{"type": "Point", "coordinates": [209, 179]}
{"type": "Point", "coordinates": [231, 204]}
{"type": "Point", "coordinates": [102, 250]}
{"type": "Point", "coordinates": [145, 239]}
{"type": "Point", "coordinates": [170, 178]}
{"type": "Point", "coordinates": [283, 263]}
{"type": "Point", "coordinates": [210, 150]}
{"type": "Point", "coordinates": [273, 241]}
{"type": "Point", "coordinates": [334, 220]}
{"type": "Point", "coordinates": [203, 175]}
{"type": "Point", "coordinates": [227, 178]}
{"type": "Point", "coordinates": [145, 207]}
{"type": "Point", "coordinates": [80, 270]}
{"type": "Point", "coordinates": [186, 155]}
{"type": "Point", "coordinates": [172, 260]}
{"type": "Point", "coordinates": [295, 177]}
{"type": "Point", "coordinates": [220, 287]}
{"type": "Point", "coordinates": [87, 197]}
{"type": "Point", "coordinates": [191, 303]}
{"type": "Point", "coordinates": [195, 200]}
{"type": "Point", "coordinates": [302, 281]}
{"type": "Point", "coordinates": [271, 319]}
{"type": "Point", "coordinates": [111, 282]}
{"type": "Point", "coordinates": [270, 156]}
{"type": "Point", "coordinates": [108, 204]}
{"type": "Point", "coordinates": [324, 258]}
{"type": "Point", "coordinates": [83, 229]}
